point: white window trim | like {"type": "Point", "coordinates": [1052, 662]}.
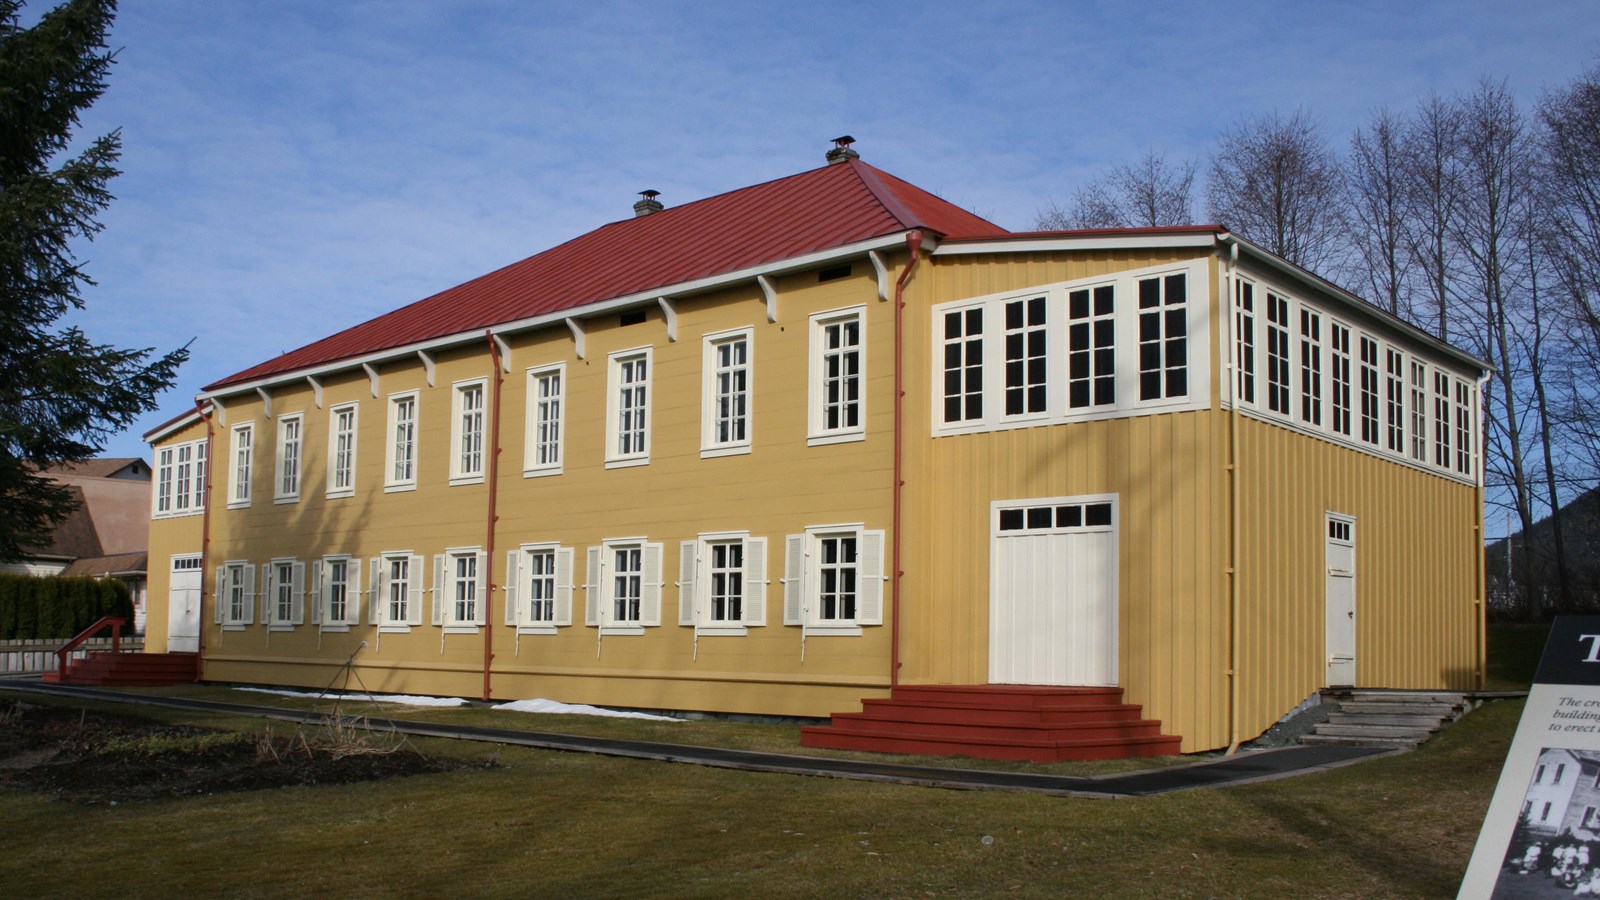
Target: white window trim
{"type": "Point", "coordinates": [531, 467]}
{"type": "Point", "coordinates": [614, 361]}
{"type": "Point", "coordinates": [710, 447]}
{"type": "Point", "coordinates": [599, 599]}
{"type": "Point", "coordinates": [223, 601]}
{"type": "Point", "coordinates": [199, 470]}
{"type": "Point", "coordinates": [390, 483]}
{"type": "Point", "coordinates": [279, 495]}
{"type": "Point", "coordinates": [694, 606]}
{"type": "Point", "coordinates": [333, 448]}
{"type": "Point", "coordinates": [353, 594]}
{"type": "Point", "coordinates": [269, 593]}
{"type": "Point", "coordinates": [517, 581]}
{"type": "Point", "coordinates": [816, 434]}
{"type": "Point", "coordinates": [445, 611]}
{"type": "Point", "coordinates": [809, 580]}
{"type": "Point", "coordinates": [379, 590]}
{"type": "Point", "coordinates": [239, 489]}
{"type": "Point", "coordinates": [1126, 350]}
{"type": "Point", "coordinates": [458, 435]}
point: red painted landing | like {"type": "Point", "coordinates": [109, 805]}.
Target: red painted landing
{"type": "Point", "coordinates": [997, 721]}
{"type": "Point", "coordinates": [131, 669]}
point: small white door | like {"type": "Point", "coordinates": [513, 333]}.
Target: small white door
{"type": "Point", "coordinates": [183, 606]}
{"type": "Point", "coordinates": [1053, 592]}
{"type": "Point", "coordinates": [1341, 599]}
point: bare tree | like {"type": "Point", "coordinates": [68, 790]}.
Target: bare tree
{"type": "Point", "coordinates": [1276, 181]}
{"type": "Point", "coordinates": [1376, 178]}
{"type": "Point", "coordinates": [1150, 193]}
{"type": "Point", "coordinates": [1433, 193]}
{"type": "Point", "coordinates": [1571, 144]}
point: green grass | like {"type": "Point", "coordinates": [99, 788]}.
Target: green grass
{"type": "Point", "coordinates": [1514, 652]}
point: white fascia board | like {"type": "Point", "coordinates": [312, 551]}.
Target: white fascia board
{"type": "Point", "coordinates": [699, 285]}
{"type": "Point", "coordinates": [188, 419]}
{"type": "Point", "coordinates": [1088, 242]}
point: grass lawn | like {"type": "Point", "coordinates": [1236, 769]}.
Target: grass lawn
{"type": "Point", "coordinates": [564, 824]}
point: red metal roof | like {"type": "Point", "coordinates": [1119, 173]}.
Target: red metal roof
{"type": "Point", "coordinates": [813, 211]}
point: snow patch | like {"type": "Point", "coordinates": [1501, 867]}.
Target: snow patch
{"type": "Point", "coordinates": [551, 706]}
{"type": "Point", "coordinates": [405, 699]}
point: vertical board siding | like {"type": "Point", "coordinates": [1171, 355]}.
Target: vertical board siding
{"type": "Point", "coordinates": [178, 535]}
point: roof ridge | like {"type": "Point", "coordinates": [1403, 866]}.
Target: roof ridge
{"type": "Point", "coordinates": [868, 174]}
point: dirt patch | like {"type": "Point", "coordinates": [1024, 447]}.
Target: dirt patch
{"type": "Point", "coordinates": [92, 758]}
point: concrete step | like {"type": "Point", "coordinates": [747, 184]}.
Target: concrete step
{"type": "Point", "coordinates": [1431, 723]}
{"type": "Point", "coordinates": [1397, 743]}
{"type": "Point", "coordinates": [1446, 697]}
{"type": "Point", "coordinates": [1380, 732]}
{"type": "Point", "coordinates": [1437, 710]}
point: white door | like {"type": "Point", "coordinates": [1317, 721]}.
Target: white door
{"type": "Point", "coordinates": [1341, 599]}
{"type": "Point", "coordinates": [183, 606]}
{"type": "Point", "coordinates": [1053, 592]}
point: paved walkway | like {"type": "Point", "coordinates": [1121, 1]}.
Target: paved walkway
{"type": "Point", "coordinates": [1240, 768]}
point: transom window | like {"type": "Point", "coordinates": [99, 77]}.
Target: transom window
{"type": "Point", "coordinates": [1055, 517]}
{"type": "Point", "coordinates": [402, 461]}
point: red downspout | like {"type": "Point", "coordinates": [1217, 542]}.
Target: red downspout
{"type": "Point", "coordinates": [494, 480]}
{"type": "Point", "coordinates": [205, 549]}
{"type": "Point", "coordinates": [914, 244]}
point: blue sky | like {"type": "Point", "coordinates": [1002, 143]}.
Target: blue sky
{"type": "Point", "coordinates": [293, 168]}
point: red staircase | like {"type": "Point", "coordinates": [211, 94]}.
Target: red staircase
{"type": "Point", "coordinates": [130, 669]}
{"type": "Point", "coordinates": [997, 721]}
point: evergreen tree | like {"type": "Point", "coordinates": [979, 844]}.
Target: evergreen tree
{"type": "Point", "coordinates": [61, 395]}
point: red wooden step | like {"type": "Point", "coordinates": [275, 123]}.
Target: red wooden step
{"type": "Point", "coordinates": [861, 722]}
{"type": "Point", "coordinates": [934, 711]}
{"type": "Point", "coordinates": [1027, 751]}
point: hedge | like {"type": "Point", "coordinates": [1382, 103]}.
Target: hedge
{"type": "Point", "coordinates": [54, 607]}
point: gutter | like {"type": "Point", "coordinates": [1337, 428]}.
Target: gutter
{"type": "Point", "coordinates": [1481, 627]}
{"type": "Point", "coordinates": [493, 452]}
{"type": "Point", "coordinates": [1230, 387]}
{"type": "Point", "coordinates": [913, 244]}
{"type": "Point", "coordinates": [205, 550]}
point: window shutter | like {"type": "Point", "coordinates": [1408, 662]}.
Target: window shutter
{"type": "Point", "coordinates": [870, 579]}
{"type": "Point", "coordinates": [297, 601]}
{"type": "Point", "coordinates": [755, 581]}
{"type": "Point", "coordinates": [317, 592]}
{"type": "Point", "coordinates": [591, 589]}
{"type": "Point", "coordinates": [438, 589]}
{"type": "Point", "coordinates": [352, 592]}
{"type": "Point", "coordinates": [222, 591]}
{"type": "Point", "coordinates": [377, 613]}
{"type": "Point", "coordinates": [687, 553]}
{"type": "Point", "coordinates": [269, 580]}
{"type": "Point", "coordinates": [794, 567]}
{"type": "Point", "coordinates": [512, 601]}
{"type": "Point", "coordinates": [650, 586]}
{"type": "Point", "coordinates": [481, 608]}
{"type": "Point", "coordinates": [563, 604]}
{"type": "Point", "coordinates": [414, 578]}
{"type": "Point", "coordinates": [249, 593]}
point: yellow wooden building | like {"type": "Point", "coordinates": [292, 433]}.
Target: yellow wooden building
{"type": "Point", "coordinates": [787, 448]}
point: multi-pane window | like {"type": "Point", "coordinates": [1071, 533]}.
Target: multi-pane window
{"type": "Point", "coordinates": [463, 597]}
{"type": "Point", "coordinates": [181, 479]}
{"type": "Point", "coordinates": [1055, 517]}
{"type": "Point", "coordinates": [725, 582]}
{"type": "Point", "coordinates": [627, 569]}
{"type": "Point", "coordinates": [237, 600]}
{"type": "Point", "coordinates": [290, 435]}
{"type": "Point", "coordinates": [1163, 337]}
{"type": "Point", "coordinates": [1311, 367]}
{"type": "Point", "coordinates": [1419, 411]}
{"type": "Point", "coordinates": [623, 586]}
{"type": "Point", "coordinates": [539, 571]}
{"type": "Point", "coordinates": [963, 364]}
{"type": "Point", "coordinates": [1025, 365]}
{"type": "Point", "coordinates": [1091, 347]}
{"type": "Point", "coordinates": [628, 425]}
{"type": "Point", "coordinates": [833, 579]}
{"type": "Point", "coordinates": [1244, 339]}
{"type": "Point", "coordinates": [164, 480]}
{"type": "Point", "coordinates": [285, 586]}
{"type": "Point", "coordinates": [1463, 428]}
{"type": "Point", "coordinates": [184, 477]}
{"type": "Point", "coordinates": [336, 590]}
{"type": "Point", "coordinates": [726, 400]}
{"type": "Point", "coordinates": [836, 577]}
{"type": "Point", "coordinates": [837, 370]}
{"type": "Point", "coordinates": [1339, 360]}
{"type": "Point", "coordinates": [402, 459]}
{"type": "Point", "coordinates": [396, 598]}
{"type": "Point", "coordinates": [545, 401]}
{"type": "Point", "coordinates": [1277, 354]}
{"type": "Point", "coordinates": [722, 583]}
{"type": "Point", "coordinates": [466, 463]}
{"type": "Point", "coordinates": [1394, 400]}
{"type": "Point", "coordinates": [1369, 390]}
{"type": "Point", "coordinates": [243, 459]}
{"type": "Point", "coordinates": [342, 451]}
{"type": "Point", "coordinates": [1441, 420]}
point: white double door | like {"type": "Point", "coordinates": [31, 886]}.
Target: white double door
{"type": "Point", "coordinates": [183, 605]}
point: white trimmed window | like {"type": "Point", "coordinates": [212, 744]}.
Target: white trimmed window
{"type": "Point", "coordinates": [283, 597]}
{"type": "Point", "coordinates": [1244, 340]}
{"type": "Point", "coordinates": [837, 376]}
{"type": "Point", "coordinates": [397, 579]}
{"type": "Point", "coordinates": [459, 589]}
{"type": "Point", "coordinates": [1394, 399]}
{"type": "Point", "coordinates": [244, 439]}
{"type": "Point", "coordinates": [235, 596]}
{"type": "Point", "coordinates": [963, 364]}
{"type": "Point", "coordinates": [1441, 420]}
{"type": "Point", "coordinates": [539, 588]}
{"type": "Point", "coordinates": [338, 592]}
{"type": "Point", "coordinates": [286, 487]}
{"type": "Point", "coordinates": [1164, 337]}
{"type": "Point", "coordinates": [400, 464]}
{"type": "Point", "coordinates": [180, 488]}
{"type": "Point", "coordinates": [342, 451]}
{"type": "Point", "coordinates": [1027, 367]}
{"type": "Point", "coordinates": [722, 583]}
{"type": "Point", "coordinates": [1311, 367]}
{"type": "Point", "coordinates": [623, 586]}
{"type": "Point", "coordinates": [1370, 433]}
{"type": "Point", "coordinates": [1419, 411]}
{"type": "Point", "coordinates": [466, 432]}
{"type": "Point", "coordinates": [725, 393]}
{"type": "Point", "coordinates": [1339, 377]}
{"type": "Point", "coordinates": [833, 579]}
{"type": "Point", "coordinates": [1279, 372]}
{"type": "Point", "coordinates": [1092, 347]}
{"type": "Point", "coordinates": [1464, 428]}
{"type": "Point", "coordinates": [546, 402]}
{"type": "Point", "coordinates": [628, 408]}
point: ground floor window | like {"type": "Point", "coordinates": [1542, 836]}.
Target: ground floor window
{"type": "Point", "coordinates": [283, 597]}
{"type": "Point", "coordinates": [833, 579]}
{"type": "Point", "coordinates": [458, 588]}
{"type": "Point", "coordinates": [624, 586]}
{"type": "Point", "coordinates": [235, 600]}
{"type": "Point", "coordinates": [539, 588]}
{"type": "Point", "coordinates": [722, 582]}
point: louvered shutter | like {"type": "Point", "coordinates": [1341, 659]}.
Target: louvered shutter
{"type": "Point", "coordinates": [269, 581]}
{"type": "Point", "coordinates": [794, 567]}
{"type": "Point", "coordinates": [352, 592]}
{"type": "Point", "coordinates": [377, 610]}
{"type": "Point", "coordinates": [869, 579]}
{"type": "Point", "coordinates": [438, 589]}
{"type": "Point", "coordinates": [650, 585]}
{"type": "Point", "coordinates": [415, 574]}
{"type": "Point", "coordinates": [317, 591]}
{"type": "Point", "coordinates": [512, 600]}
{"type": "Point", "coordinates": [591, 589]}
{"type": "Point", "coordinates": [297, 599]}
{"type": "Point", "coordinates": [688, 552]}
{"type": "Point", "coordinates": [563, 586]}
{"type": "Point", "coordinates": [249, 593]}
{"type": "Point", "coordinates": [755, 581]}
{"type": "Point", "coordinates": [222, 591]}
{"type": "Point", "coordinates": [481, 608]}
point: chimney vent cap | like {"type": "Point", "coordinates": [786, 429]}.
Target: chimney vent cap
{"type": "Point", "coordinates": [841, 151]}
{"type": "Point", "coordinates": [649, 204]}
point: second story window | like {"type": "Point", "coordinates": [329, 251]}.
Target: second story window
{"type": "Point", "coordinates": [466, 439]}
{"type": "Point", "coordinates": [1092, 347]}
{"type": "Point", "coordinates": [401, 462]}
{"type": "Point", "coordinates": [628, 412]}
{"type": "Point", "coordinates": [290, 437]}
{"type": "Point", "coordinates": [838, 368]}
{"type": "Point", "coordinates": [546, 393]}
{"type": "Point", "coordinates": [725, 399]}
{"type": "Point", "coordinates": [180, 474]}
{"type": "Point", "coordinates": [342, 451]}
{"type": "Point", "coordinates": [962, 364]}
{"type": "Point", "coordinates": [1163, 337]}
{"type": "Point", "coordinates": [243, 465]}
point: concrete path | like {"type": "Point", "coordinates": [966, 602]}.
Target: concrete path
{"type": "Point", "coordinates": [1241, 768]}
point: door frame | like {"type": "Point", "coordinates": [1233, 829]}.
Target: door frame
{"type": "Point", "coordinates": [1331, 524]}
{"type": "Point", "coordinates": [198, 571]}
